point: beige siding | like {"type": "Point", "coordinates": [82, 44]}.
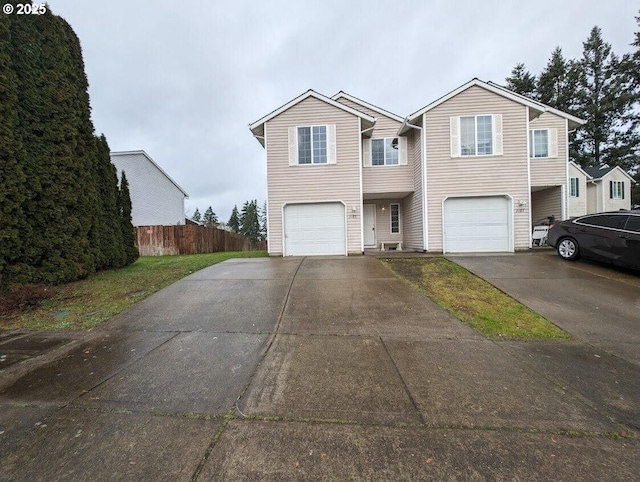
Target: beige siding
{"type": "Point", "coordinates": [413, 218]}
{"type": "Point", "coordinates": [384, 179]}
{"type": "Point", "coordinates": [577, 206]}
{"type": "Point", "coordinates": [313, 183]}
{"type": "Point", "coordinates": [616, 204]}
{"type": "Point", "coordinates": [550, 171]}
{"type": "Point", "coordinates": [478, 175]}
{"type": "Point", "coordinates": [594, 197]}
{"type": "Point", "coordinates": [545, 203]}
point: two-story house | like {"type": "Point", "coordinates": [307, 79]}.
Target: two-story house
{"type": "Point", "coordinates": [470, 172]}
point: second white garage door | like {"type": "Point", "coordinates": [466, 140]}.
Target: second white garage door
{"type": "Point", "coordinates": [477, 224]}
{"type": "Point", "coordinates": [314, 229]}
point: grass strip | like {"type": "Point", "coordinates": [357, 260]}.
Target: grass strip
{"type": "Point", "coordinates": [475, 301]}
{"type": "Point", "coordinates": [83, 304]}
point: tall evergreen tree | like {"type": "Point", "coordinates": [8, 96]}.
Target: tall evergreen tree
{"type": "Point", "coordinates": [631, 134]}
{"type": "Point", "coordinates": [249, 221]}
{"type": "Point", "coordinates": [522, 81]}
{"type": "Point", "coordinates": [600, 102]}
{"type": "Point", "coordinates": [234, 220]}
{"type": "Point", "coordinates": [210, 219]}
{"type": "Point", "coordinates": [128, 233]}
{"type": "Point", "coordinates": [263, 221]}
{"type": "Point", "coordinates": [557, 83]}
{"type": "Point", "coordinates": [197, 217]}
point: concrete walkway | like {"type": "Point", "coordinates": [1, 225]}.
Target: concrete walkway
{"type": "Point", "coordinates": [316, 369]}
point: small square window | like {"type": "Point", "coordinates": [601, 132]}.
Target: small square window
{"type": "Point", "coordinates": [384, 152]}
{"type": "Point", "coordinates": [312, 145]}
{"type": "Point", "coordinates": [539, 143]}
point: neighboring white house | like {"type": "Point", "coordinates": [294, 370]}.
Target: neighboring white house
{"type": "Point", "coordinates": [156, 199]}
{"type": "Point", "coordinates": [608, 189]}
{"type": "Point", "coordinates": [578, 179]}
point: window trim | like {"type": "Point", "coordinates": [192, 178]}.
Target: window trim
{"type": "Point", "coordinates": [311, 144]}
{"type": "Point", "coordinates": [385, 139]}
{"type": "Point", "coordinates": [532, 143]}
{"type": "Point", "coordinates": [475, 133]}
{"type": "Point", "coordinates": [391, 218]}
{"type": "Point", "coordinates": [571, 187]}
{"type": "Point", "coordinates": [616, 190]}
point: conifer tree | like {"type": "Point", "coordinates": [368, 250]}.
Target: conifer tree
{"type": "Point", "coordinates": [197, 217]}
{"type": "Point", "coordinates": [234, 220]}
{"type": "Point", "coordinates": [128, 233]}
{"type": "Point", "coordinates": [249, 221]}
{"type": "Point", "coordinates": [557, 83]}
{"type": "Point", "coordinates": [210, 219]}
{"type": "Point", "coordinates": [522, 81]}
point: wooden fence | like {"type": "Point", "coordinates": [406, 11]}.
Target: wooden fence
{"type": "Point", "coordinates": [190, 239]}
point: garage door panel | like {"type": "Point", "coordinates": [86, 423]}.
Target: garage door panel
{"type": "Point", "coordinates": [314, 229]}
{"type": "Point", "coordinates": [477, 224]}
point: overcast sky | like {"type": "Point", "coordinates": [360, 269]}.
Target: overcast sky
{"type": "Point", "coordinates": [182, 80]}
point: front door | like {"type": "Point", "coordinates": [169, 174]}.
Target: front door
{"type": "Point", "coordinates": [369, 224]}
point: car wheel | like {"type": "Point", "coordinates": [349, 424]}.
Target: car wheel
{"type": "Point", "coordinates": [568, 249]}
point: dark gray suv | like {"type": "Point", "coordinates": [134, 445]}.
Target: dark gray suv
{"type": "Point", "coordinates": [612, 237]}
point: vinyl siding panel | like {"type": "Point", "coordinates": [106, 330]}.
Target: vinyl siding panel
{"type": "Point", "coordinates": [384, 179]}
{"type": "Point", "coordinates": [545, 203]}
{"type": "Point", "coordinates": [313, 183]}
{"type": "Point", "coordinates": [577, 205]}
{"type": "Point", "coordinates": [477, 175]}
{"type": "Point", "coordinates": [616, 204]}
{"type": "Point", "coordinates": [413, 218]}
{"type": "Point", "coordinates": [550, 171]}
{"type": "Point", "coordinates": [155, 200]}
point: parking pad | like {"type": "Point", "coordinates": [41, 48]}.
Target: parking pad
{"type": "Point", "coordinates": [198, 373]}
{"type": "Point", "coordinates": [82, 369]}
{"type": "Point", "coordinates": [336, 378]}
{"type": "Point", "coordinates": [607, 381]}
{"type": "Point", "coordinates": [276, 451]}
{"type": "Point", "coordinates": [367, 307]}
{"type": "Point", "coordinates": [492, 389]}
{"type": "Point", "coordinates": [249, 269]}
{"type": "Point", "coordinates": [86, 445]}
{"type": "Point", "coordinates": [14, 349]}
{"type": "Point", "coordinates": [251, 306]}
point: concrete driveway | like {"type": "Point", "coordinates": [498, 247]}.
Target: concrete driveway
{"type": "Point", "coordinates": [597, 303]}
{"type": "Point", "coordinates": [315, 369]}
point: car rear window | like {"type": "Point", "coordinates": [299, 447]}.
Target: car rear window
{"type": "Point", "coordinates": [633, 224]}
{"type": "Point", "coordinates": [615, 221]}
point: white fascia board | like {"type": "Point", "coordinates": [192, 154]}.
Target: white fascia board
{"type": "Point", "coordinates": [256, 127]}
{"type": "Point", "coordinates": [374, 108]}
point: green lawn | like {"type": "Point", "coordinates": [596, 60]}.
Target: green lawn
{"type": "Point", "coordinates": [84, 304]}
{"type": "Point", "coordinates": [475, 301]}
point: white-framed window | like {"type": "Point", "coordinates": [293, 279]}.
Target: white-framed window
{"type": "Point", "coordinates": [574, 187]}
{"type": "Point", "coordinates": [394, 209]}
{"type": "Point", "coordinates": [384, 152]}
{"type": "Point", "coordinates": [314, 144]}
{"type": "Point", "coordinates": [616, 189]}
{"type": "Point", "coordinates": [543, 143]}
{"type": "Point", "coordinates": [387, 151]}
{"type": "Point", "coordinates": [476, 135]}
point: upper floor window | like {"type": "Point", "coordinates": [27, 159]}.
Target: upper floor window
{"type": "Point", "coordinates": [543, 143]}
{"type": "Point", "coordinates": [388, 151]}
{"type": "Point", "coordinates": [312, 145]}
{"type": "Point", "coordinates": [574, 187]}
{"type": "Point", "coordinates": [384, 152]}
{"type": "Point", "coordinates": [478, 135]}
{"type": "Point", "coordinates": [616, 189]}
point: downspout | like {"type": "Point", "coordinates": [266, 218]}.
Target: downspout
{"type": "Point", "coordinates": [423, 172]}
{"type": "Point", "coordinates": [567, 186]}
{"type": "Point", "coordinates": [360, 172]}
{"type": "Point", "coordinates": [529, 186]}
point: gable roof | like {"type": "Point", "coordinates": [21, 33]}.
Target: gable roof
{"type": "Point", "coordinates": [574, 122]}
{"type": "Point", "coordinates": [598, 173]}
{"type": "Point", "coordinates": [577, 166]}
{"type": "Point", "coordinates": [257, 127]}
{"type": "Point", "coordinates": [379, 110]}
{"type": "Point", "coordinates": [535, 107]}
{"type": "Point", "coordinates": [145, 155]}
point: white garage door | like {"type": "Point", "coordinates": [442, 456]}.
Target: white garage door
{"type": "Point", "coordinates": [314, 229]}
{"type": "Point", "coordinates": [476, 224]}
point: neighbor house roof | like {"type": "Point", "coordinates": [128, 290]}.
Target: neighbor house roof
{"type": "Point", "coordinates": [535, 108]}
{"type": "Point", "coordinates": [599, 172]}
{"type": "Point", "coordinates": [258, 126]}
{"type": "Point", "coordinates": [374, 108]}
{"type": "Point", "coordinates": [577, 166]}
{"type": "Point", "coordinates": [142, 153]}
